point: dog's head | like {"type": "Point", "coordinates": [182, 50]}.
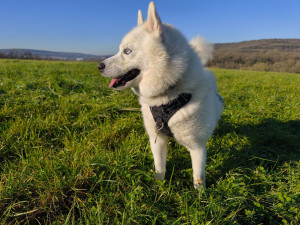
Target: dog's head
{"type": "Point", "coordinates": [145, 60]}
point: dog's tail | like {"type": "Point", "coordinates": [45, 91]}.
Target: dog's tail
{"type": "Point", "coordinates": [202, 48]}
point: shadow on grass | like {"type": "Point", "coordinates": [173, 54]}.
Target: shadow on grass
{"type": "Point", "coordinates": [271, 143]}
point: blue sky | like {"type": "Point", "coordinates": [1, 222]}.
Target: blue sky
{"type": "Point", "coordinates": [97, 27]}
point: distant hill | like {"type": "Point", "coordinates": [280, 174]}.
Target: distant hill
{"type": "Point", "coordinates": [282, 55]}
{"type": "Point", "coordinates": [50, 54]}
{"type": "Point", "coordinates": [260, 45]}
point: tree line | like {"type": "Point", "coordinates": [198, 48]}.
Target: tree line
{"type": "Point", "coordinates": [264, 61]}
{"type": "Point", "coordinates": [15, 54]}
{"type": "Point", "coordinates": [280, 55]}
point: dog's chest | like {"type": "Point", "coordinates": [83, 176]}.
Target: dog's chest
{"type": "Point", "coordinates": [163, 113]}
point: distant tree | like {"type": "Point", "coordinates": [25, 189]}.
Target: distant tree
{"type": "Point", "coordinates": [13, 54]}
{"type": "Point", "coordinates": [2, 55]}
{"type": "Point", "coordinates": [37, 57]}
{"type": "Point", "coordinates": [27, 55]}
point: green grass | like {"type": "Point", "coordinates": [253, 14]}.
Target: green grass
{"type": "Point", "coordinates": [70, 154]}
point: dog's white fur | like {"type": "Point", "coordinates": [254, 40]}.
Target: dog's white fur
{"type": "Point", "coordinates": [170, 66]}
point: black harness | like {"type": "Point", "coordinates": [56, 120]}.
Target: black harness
{"type": "Point", "coordinates": [163, 113]}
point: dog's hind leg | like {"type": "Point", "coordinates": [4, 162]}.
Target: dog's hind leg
{"type": "Point", "coordinates": [159, 150]}
{"type": "Point", "coordinates": [198, 157]}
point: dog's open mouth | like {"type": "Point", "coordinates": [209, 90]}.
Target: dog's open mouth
{"type": "Point", "coordinates": [122, 80]}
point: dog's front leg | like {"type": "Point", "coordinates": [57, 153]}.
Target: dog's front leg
{"type": "Point", "coordinates": [198, 157]}
{"type": "Point", "coordinates": [158, 145]}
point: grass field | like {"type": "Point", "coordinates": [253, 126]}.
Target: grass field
{"type": "Point", "coordinates": [72, 152]}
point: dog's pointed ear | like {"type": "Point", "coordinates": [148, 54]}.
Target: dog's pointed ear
{"type": "Point", "coordinates": [140, 19]}
{"type": "Point", "coordinates": [154, 24]}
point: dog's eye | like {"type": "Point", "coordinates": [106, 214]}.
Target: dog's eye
{"type": "Point", "coordinates": [127, 51]}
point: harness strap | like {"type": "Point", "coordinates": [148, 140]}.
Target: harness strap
{"type": "Point", "coordinates": [163, 113]}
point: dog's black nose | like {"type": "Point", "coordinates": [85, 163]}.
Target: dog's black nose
{"type": "Point", "coordinates": [101, 66]}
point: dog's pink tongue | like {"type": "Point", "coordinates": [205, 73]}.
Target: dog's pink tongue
{"type": "Point", "coordinates": [113, 81]}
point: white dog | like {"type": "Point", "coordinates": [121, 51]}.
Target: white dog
{"type": "Point", "coordinates": [178, 96]}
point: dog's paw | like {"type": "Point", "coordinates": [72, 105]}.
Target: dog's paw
{"type": "Point", "coordinates": [199, 184]}
{"type": "Point", "coordinates": [160, 176]}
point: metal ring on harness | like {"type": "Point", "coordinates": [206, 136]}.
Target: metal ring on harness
{"type": "Point", "coordinates": [157, 125]}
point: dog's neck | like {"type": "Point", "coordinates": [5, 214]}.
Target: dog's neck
{"type": "Point", "coordinates": [164, 98]}
{"type": "Point", "coordinates": [136, 90]}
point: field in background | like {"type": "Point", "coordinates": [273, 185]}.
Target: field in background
{"type": "Point", "coordinates": [72, 153]}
